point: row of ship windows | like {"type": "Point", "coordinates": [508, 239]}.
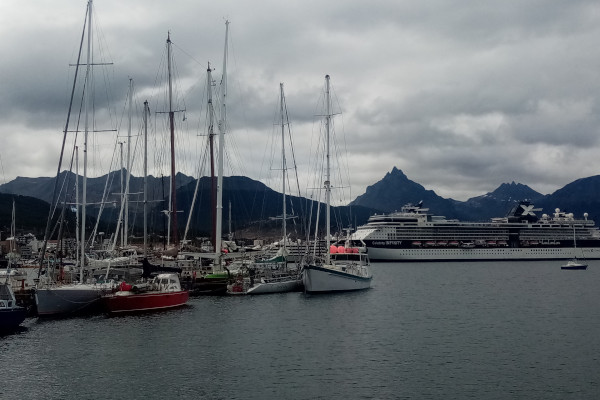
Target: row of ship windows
{"type": "Point", "coordinates": [473, 235]}
{"type": "Point", "coordinates": [543, 239]}
{"type": "Point", "coordinates": [583, 232]}
{"type": "Point", "coordinates": [484, 251]}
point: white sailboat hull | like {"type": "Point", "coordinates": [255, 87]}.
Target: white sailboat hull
{"type": "Point", "coordinates": [281, 286]}
{"type": "Point", "coordinates": [331, 279]}
{"type": "Point", "coordinates": [69, 299]}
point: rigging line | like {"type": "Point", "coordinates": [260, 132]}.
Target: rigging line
{"type": "Point", "coordinates": [108, 183]}
{"type": "Point", "coordinates": [187, 54]}
{"type": "Point", "coordinates": [194, 199]}
{"type": "Point", "coordinates": [295, 166]}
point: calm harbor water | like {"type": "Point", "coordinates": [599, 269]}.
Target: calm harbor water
{"type": "Point", "coordinates": [492, 330]}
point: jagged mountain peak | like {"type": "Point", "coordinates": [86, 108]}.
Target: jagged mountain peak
{"type": "Point", "coordinates": [510, 192]}
{"type": "Point", "coordinates": [395, 190]}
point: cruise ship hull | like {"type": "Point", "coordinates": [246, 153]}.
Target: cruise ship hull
{"type": "Point", "coordinates": [413, 234]}
{"type": "Point", "coordinates": [479, 254]}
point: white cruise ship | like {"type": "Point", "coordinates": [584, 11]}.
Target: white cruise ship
{"type": "Point", "coordinates": [413, 234]}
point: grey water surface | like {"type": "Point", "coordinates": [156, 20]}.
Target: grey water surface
{"type": "Point", "coordinates": [478, 330]}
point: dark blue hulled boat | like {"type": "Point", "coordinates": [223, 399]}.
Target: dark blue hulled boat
{"type": "Point", "coordinates": [11, 315]}
{"type": "Point", "coordinates": [574, 264]}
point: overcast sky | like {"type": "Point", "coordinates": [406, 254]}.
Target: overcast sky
{"type": "Point", "coordinates": [460, 95]}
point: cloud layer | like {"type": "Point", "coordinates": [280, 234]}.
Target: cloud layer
{"type": "Point", "coordinates": [461, 96]}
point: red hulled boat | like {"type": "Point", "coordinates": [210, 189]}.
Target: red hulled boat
{"type": "Point", "coordinates": [163, 292]}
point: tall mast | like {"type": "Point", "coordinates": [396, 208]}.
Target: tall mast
{"type": "Point", "coordinates": [77, 200]}
{"type": "Point", "coordinates": [88, 90]}
{"type": "Point", "coordinates": [210, 137]}
{"type": "Point", "coordinates": [222, 128]}
{"type": "Point", "coordinates": [146, 111]}
{"type": "Point", "coordinates": [327, 173]}
{"type": "Point", "coordinates": [211, 141]}
{"type": "Point", "coordinates": [122, 191]}
{"type": "Point", "coordinates": [126, 195]}
{"type": "Point", "coordinates": [173, 198]}
{"type": "Point", "coordinates": [283, 165]}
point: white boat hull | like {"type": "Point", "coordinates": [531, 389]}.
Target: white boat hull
{"type": "Point", "coordinates": [284, 286]}
{"type": "Point", "coordinates": [320, 279]}
{"type": "Point", "coordinates": [69, 299]}
{"type": "Point", "coordinates": [480, 254]}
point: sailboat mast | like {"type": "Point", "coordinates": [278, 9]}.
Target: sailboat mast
{"type": "Point", "coordinates": [146, 111]}
{"type": "Point", "coordinates": [88, 90]}
{"type": "Point", "coordinates": [126, 196]}
{"type": "Point", "coordinates": [173, 198]}
{"type": "Point", "coordinates": [77, 204]}
{"type": "Point", "coordinates": [211, 141]}
{"type": "Point", "coordinates": [222, 128]}
{"type": "Point", "coordinates": [283, 165]}
{"type": "Point", "coordinates": [327, 173]}
{"type": "Point", "coordinates": [122, 232]}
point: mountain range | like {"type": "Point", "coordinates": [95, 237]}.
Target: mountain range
{"type": "Point", "coordinates": [250, 206]}
{"type": "Point", "coordinates": [395, 190]}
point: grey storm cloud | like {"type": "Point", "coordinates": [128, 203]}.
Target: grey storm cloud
{"type": "Point", "coordinates": [462, 96]}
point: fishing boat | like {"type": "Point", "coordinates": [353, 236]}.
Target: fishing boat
{"type": "Point", "coordinates": [338, 271]}
{"type": "Point", "coordinates": [11, 315]}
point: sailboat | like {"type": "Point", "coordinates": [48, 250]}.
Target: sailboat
{"type": "Point", "coordinates": [210, 280]}
{"type": "Point", "coordinates": [164, 291]}
{"type": "Point", "coordinates": [574, 263]}
{"type": "Point", "coordinates": [341, 270]}
{"type": "Point", "coordinates": [274, 275]}
{"type": "Point", "coordinates": [52, 298]}
{"type": "Point", "coordinates": [214, 278]}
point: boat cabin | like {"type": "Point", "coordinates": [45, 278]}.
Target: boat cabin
{"type": "Point", "coordinates": [168, 282]}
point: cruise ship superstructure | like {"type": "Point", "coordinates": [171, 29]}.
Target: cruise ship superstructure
{"type": "Point", "coordinates": [413, 234]}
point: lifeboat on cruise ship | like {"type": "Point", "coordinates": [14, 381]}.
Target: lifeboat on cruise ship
{"type": "Point", "coordinates": [430, 243]}
{"type": "Point", "coordinates": [453, 243]}
{"type": "Point", "coordinates": [442, 243]}
{"type": "Point", "coordinates": [416, 243]}
{"type": "Point", "coordinates": [491, 243]}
